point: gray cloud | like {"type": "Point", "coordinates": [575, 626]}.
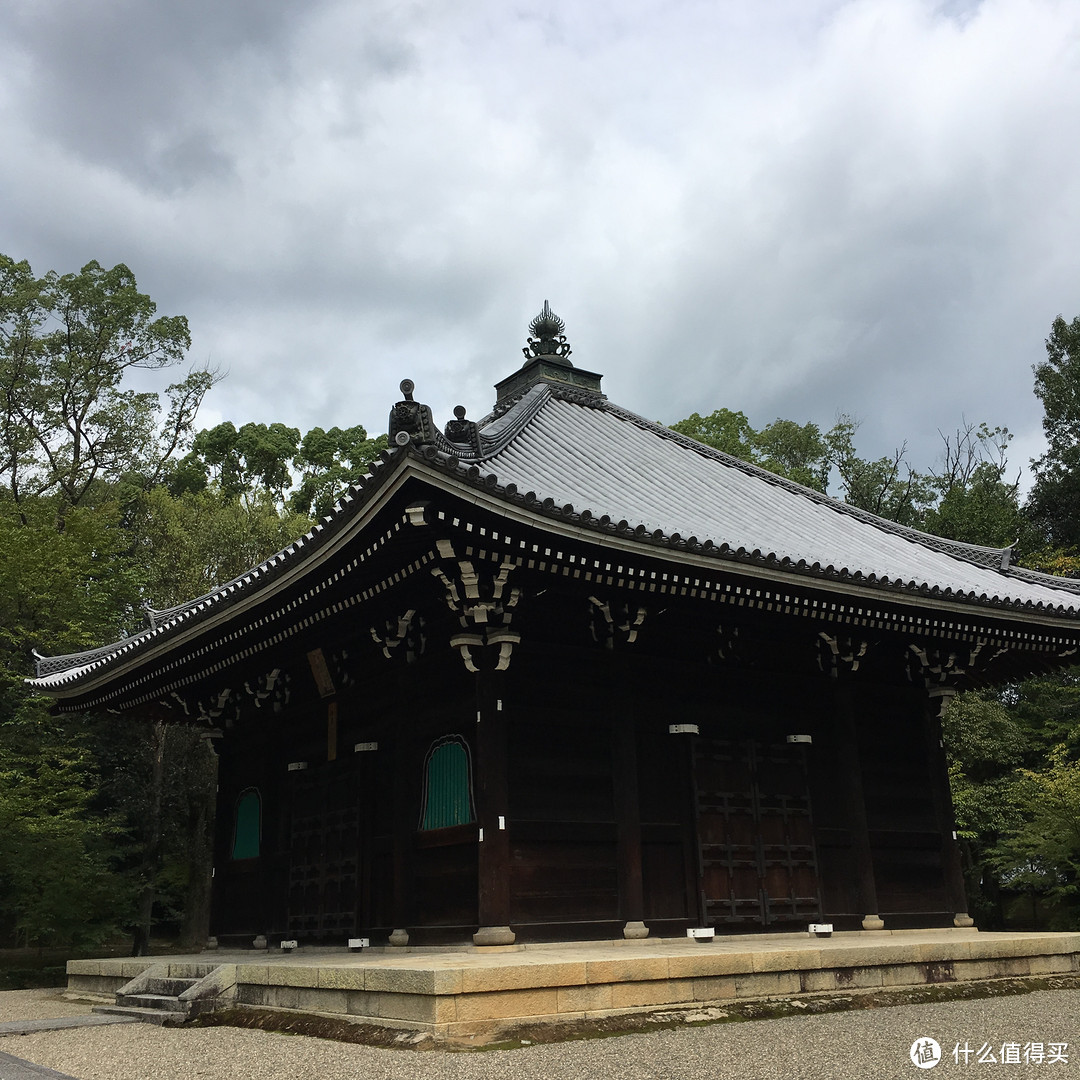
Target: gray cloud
{"type": "Point", "coordinates": [790, 209]}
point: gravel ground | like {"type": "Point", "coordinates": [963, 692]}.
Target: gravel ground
{"type": "Point", "coordinates": [873, 1044]}
{"type": "Point", "coordinates": [37, 1005]}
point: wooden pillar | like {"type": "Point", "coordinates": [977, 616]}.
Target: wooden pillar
{"type": "Point", "coordinates": [627, 807]}
{"type": "Point", "coordinates": [365, 765]}
{"type": "Point", "coordinates": [955, 891]}
{"type": "Point", "coordinates": [491, 793]}
{"type": "Point", "coordinates": [480, 593]}
{"type": "Point", "coordinates": [693, 862]}
{"type": "Point", "coordinates": [850, 777]}
{"type": "Point", "coordinates": [403, 764]}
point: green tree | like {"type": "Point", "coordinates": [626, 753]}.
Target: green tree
{"type": "Point", "coordinates": [242, 463]}
{"type": "Point", "coordinates": [60, 848]}
{"type": "Point", "coordinates": [887, 487]}
{"type": "Point", "coordinates": [795, 451]}
{"type": "Point", "coordinates": [106, 819]}
{"type": "Point", "coordinates": [58, 877]}
{"type": "Point", "coordinates": [723, 430]}
{"type": "Point", "coordinates": [985, 745]}
{"type": "Point", "coordinates": [1054, 503]}
{"type": "Point", "coordinates": [300, 475]}
{"type": "Point", "coordinates": [1012, 766]}
{"type": "Point", "coordinates": [1041, 855]}
{"type": "Point", "coordinates": [978, 503]}
{"type": "Point", "coordinates": [328, 462]}
{"type": "Point", "coordinates": [1048, 709]}
{"type": "Point", "coordinates": [67, 421]}
{"type": "Point", "coordinates": [187, 544]}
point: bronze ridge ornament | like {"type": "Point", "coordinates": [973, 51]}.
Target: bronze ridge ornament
{"type": "Point", "coordinates": [546, 337]}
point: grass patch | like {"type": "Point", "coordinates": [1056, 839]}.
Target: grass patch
{"type": "Point", "coordinates": [314, 1026]}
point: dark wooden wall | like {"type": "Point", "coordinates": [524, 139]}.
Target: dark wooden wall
{"type": "Point", "coordinates": [609, 817]}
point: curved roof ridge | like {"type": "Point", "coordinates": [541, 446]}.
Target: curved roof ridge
{"type": "Point", "coordinates": [989, 557]}
{"type": "Point", "coordinates": [1037, 577]}
{"type": "Point", "coordinates": [498, 432]}
{"type": "Point", "coordinates": [52, 665]}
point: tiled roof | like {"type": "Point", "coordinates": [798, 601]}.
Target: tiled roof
{"type": "Point", "coordinates": [572, 455]}
{"type": "Point", "coordinates": [582, 451]}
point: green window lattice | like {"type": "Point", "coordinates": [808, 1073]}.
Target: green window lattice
{"type": "Point", "coordinates": [447, 798]}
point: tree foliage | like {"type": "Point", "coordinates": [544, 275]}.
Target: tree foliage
{"type": "Point", "coordinates": [827, 462]}
{"type": "Point", "coordinates": [68, 424]}
{"type": "Point", "coordinates": [1054, 504]}
{"type": "Point", "coordinates": [977, 495]}
{"type": "Point", "coordinates": [796, 451]}
{"type": "Point", "coordinates": [1041, 853]}
{"type": "Point", "coordinates": [109, 500]}
{"type": "Point", "coordinates": [1018, 800]}
{"type": "Point", "coordinates": [186, 544]}
{"type": "Point", "coordinates": [59, 876]}
{"type": "Point", "coordinates": [299, 475]}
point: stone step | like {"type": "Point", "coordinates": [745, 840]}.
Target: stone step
{"type": "Point", "coordinates": [169, 987]}
{"type": "Point", "coordinates": [147, 1016]}
{"type": "Point", "coordinates": [161, 1002]}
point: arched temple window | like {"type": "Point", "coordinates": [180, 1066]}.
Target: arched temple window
{"type": "Point", "coordinates": [447, 785]}
{"type": "Point", "coordinates": [247, 827]}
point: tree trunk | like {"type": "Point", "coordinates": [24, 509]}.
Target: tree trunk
{"type": "Point", "coordinates": [152, 846]}
{"type": "Point", "coordinates": [196, 923]}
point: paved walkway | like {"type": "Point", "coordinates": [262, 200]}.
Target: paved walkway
{"type": "Point", "coordinates": [13, 1068]}
{"type": "Point", "coordinates": [27, 1012]}
{"type": "Point", "coordinates": [59, 1023]}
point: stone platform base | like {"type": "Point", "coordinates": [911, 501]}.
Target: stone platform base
{"type": "Point", "coordinates": [475, 992]}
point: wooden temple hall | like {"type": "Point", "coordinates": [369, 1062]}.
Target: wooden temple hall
{"type": "Point", "coordinates": [561, 673]}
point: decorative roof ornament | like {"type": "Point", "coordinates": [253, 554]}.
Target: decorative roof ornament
{"type": "Point", "coordinates": [410, 421]}
{"type": "Point", "coordinates": [461, 431]}
{"type": "Point", "coordinates": [546, 337]}
{"type": "Point", "coordinates": [547, 360]}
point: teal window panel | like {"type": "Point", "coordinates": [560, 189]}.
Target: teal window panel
{"type": "Point", "coordinates": [247, 832]}
{"type": "Point", "coordinates": [447, 786]}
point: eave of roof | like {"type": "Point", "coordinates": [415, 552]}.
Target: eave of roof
{"type": "Point", "coordinates": [1049, 601]}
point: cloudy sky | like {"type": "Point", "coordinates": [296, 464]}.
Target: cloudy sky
{"type": "Point", "coordinates": [790, 207]}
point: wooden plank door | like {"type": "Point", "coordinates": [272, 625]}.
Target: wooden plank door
{"type": "Point", "coordinates": [755, 840]}
{"type": "Point", "coordinates": [324, 852]}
